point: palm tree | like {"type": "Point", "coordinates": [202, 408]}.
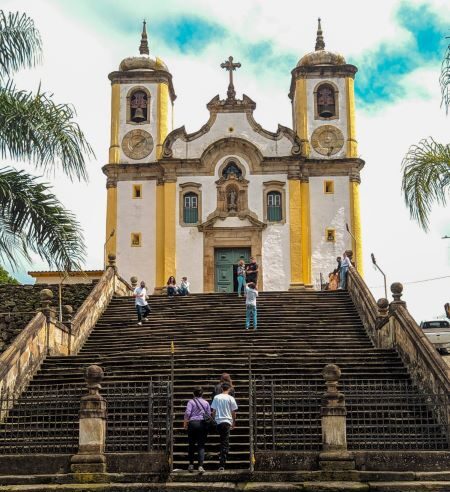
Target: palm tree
{"type": "Point", "coordinates": [34, 128]}
{"type": "Point", "coordinates": [426, 165]}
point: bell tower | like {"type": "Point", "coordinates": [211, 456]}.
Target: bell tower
{"type": "Point", "coordinates": [323, 113]}
{"type": "Point", "coordinates": [142, 97]}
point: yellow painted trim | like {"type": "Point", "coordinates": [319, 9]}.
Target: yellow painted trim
{"type": "Point", "coordinates": [114, 149]}
{"type": "Point", "coordinates": [352, 144]}
{"type": "Point", "coordinates": [138, 243]}
{"type": "Point", "coordinates": [163, 117]}
{"type": "Point", "coordinates": [355, 219]}
{"type": "Point", "coordinates": [306, 233]}
{"type": "Point", "coordinates": [135, 189]}
{"type": "Point", "coordinates": [159, 249]}
{"type": "Point", "coordinates": [295, 231]}
{"type": "Point", "coordinates": [301, 115]}
{"type": "Point", "coordinates": [169, 230]}
{"type": "Point", "coordinates": [111, 221]}
{"type": "Point", "coordinates": [333, 233]}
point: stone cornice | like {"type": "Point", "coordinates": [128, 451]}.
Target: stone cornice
{"type": "Point", "coordinates": [138, 76]}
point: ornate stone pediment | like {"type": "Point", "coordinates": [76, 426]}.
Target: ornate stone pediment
{"type": "Point", "coordinates": [250, 220]}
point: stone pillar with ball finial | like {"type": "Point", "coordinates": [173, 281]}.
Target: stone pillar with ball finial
{"type": "Point", "coordinates": [334, 455]}
{"type": "Point", "coordinates": [397, 292]}
{"type": "Point", "coordinates": [92, 428]}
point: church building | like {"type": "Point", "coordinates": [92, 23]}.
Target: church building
{"type": "Point", "coordinates": [195, 204]}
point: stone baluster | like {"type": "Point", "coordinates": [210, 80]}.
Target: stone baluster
{"type": "Point", "coordinates": [111, 261]}
{"type": "Point", "coordinates": [49, 312]}
{"type": "Point", "coordinates": [92, 428]}
{"type": "Point", "coordinates": [334, 455]}
{"type": "Point", "coordinates": [397, 292]}
{"type": "Point", "coordinates": [68, 315]}
{"type": "Point", "coordinates": [134, 282]}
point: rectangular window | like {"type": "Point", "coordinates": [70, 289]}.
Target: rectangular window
{"type": "Point", "coordinates": [137, 191]}
{"type": "Point", "coordinates": [328, 187]}
{"type": "Point", "coordinates": [190, 209]}
{"type": "Point", "coordinates": [135, 239]}
{"type": "Point", "coordinates": [274, 211]}
{"type": "Point", "coordinates": [330, 235]}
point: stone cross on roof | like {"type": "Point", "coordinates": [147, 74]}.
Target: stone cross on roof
{"type": "Point", "coordinates": [230, 67]}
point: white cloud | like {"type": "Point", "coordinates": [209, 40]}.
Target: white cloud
{"type": "Point", "coordinates": [78, 58]}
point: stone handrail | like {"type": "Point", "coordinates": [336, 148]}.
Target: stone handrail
{"type": "Point", "coordinates": [398, 330]}
{"type": "Point", "coordinates": [23, 357]}
{"type": "Point", "coordinates": [94, 305]}
{"type": "Point", "coordinates": [364, 301]}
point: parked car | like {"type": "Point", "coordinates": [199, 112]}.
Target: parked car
{"type": "Point", "coordinates": [438, 332]}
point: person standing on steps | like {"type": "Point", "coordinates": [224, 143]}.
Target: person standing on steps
{"type": "Point", "coordinates": [217, 390]}
{"type": "Point", "coordinates": [241, 277]}
{"type": "Point", "coordinates": [196, 426]}
{"type": "Point", "coordinates": [343, 272]}
{"type": "Point", "coordinates": [251, 271]}
{"type": "Point", "coordinates": [224, 408]}
{"type": "Point", "coordinates": [140, 296]}
{"type": "Point", "coordinates": [172, 288]}
{"type": "Point", "coordinates": [250, 304]}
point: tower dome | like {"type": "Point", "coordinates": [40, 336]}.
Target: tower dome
{"type": "Point", "coordinates": [321, 56]}
{"type": "Point", "coordinates": [144, 61]}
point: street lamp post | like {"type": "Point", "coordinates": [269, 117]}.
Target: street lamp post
{"type": "Point", "coordinates": [104, 247]}
{"type": "Point", "coordinates": [374, 261]}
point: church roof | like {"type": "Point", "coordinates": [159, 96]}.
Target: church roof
{"type": "Point", "coordinates": [144, 61]}
{"type": "Point", "coordinates": [320, 56]}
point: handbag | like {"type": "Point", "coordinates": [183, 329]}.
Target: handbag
{"type": "Point", "coordinates": [209, 421]}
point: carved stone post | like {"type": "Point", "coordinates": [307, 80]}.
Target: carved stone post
{"type": "Point", "coordinates": [134, 281]}
{"type": "Point", "coordinates": [91, 451]}
{"type": "Point", "coordinates": [334, 455]}
{"type": "Point", "coordinates": [112, 260]}
{"type": "Point", "coordinates": [49, 312]}
{"type": "Point", "coordinates": [397, 292]}
{"type": "Point", "coordinates": [68, 312]}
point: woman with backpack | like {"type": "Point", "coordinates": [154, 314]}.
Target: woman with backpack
{"type": "Point", "coordinates": [196, 417]}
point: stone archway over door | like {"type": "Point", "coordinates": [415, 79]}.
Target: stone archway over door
{"type": "Point", "coordinates": [229, 237]}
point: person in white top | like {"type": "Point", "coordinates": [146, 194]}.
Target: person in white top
{"type": "Point", "coordinates": [142, 307]}
{"type": "Point", "coordinates": [251, 313]}
{"type": "Point", "coordinates": [183, 290]}
{"type": "Point", "coordinates": [224, 408]}
{"type": "Point", "coordinates": [345, 265]}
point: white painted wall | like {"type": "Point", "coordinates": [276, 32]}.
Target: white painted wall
{"type": "Point", "coordinates": [136, 215]}
{"type": "Point", "coordinates": [340, 123]}
{"type": "Point", "coordinates": [276, 257]}
{"type": "Point", "coordinates": [149, 127]}
{"type": "Point", "coordinates": [229, 125]}
{"type": "Point", "coordinates": [328, 211]}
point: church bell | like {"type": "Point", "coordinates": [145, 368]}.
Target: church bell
{"type": "Point", "coordinates": [139, 115]}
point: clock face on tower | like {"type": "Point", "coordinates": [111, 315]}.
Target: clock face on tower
{"type": "Point", "coordinates": [137, 144]}
{"type": "Point", "coordinates": [327, 140]}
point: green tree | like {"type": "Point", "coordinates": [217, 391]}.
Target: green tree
{"type": "Point", "coordinates": [35, 129]}
{"type": "Point", "coordinates": [5, 277]}
{"type": "Point", "coordinates": [426, 165]}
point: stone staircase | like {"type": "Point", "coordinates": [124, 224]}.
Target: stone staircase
{"type": "Point", "coordinates": [298, 334]}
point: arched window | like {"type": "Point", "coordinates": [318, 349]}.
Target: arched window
{"type": "Point", "coordinates": [274, 207]}
{"type": "Point", "coordinates": [139, 106]}
{"type": "Point", "coordinates": [190, 208]}
{"type": "Point", "coordinates": [232, 168]}
{"type": "Point", "coordinates": [326, 101]}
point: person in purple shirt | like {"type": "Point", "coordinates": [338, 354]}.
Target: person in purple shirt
{"type": "Point", "coordinates": [196, 427]}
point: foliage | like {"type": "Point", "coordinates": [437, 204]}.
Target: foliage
{"type": "Point", "coordinates": [5, 277]}
{"type": "Point", "coordinates": [426, 165]}
{"type": "Point", "coordinates": [32, 219]}
{"type": "Point", "coordinates": [426, 178]}
{"type": "Point", "coordinates": [36, 129]}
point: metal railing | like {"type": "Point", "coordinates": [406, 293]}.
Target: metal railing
{"type": "Point", "coordinates": [286, 414]}
{"type": "Point", "coordinates": [394, 415]}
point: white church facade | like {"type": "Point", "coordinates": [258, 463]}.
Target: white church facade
{"type": "Point", "coordinates": [195, 204]}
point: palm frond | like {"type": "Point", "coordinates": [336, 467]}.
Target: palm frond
{"type": "Point", "coordinates": [444, 80]}
{"type": "Point", "coordinates": [33, 220]}
{"type": "Point", "coordinates": [20, 43]}
{"type": "Point", "coordinates": [33, 127]}
{"type": "Point", "coordinates": [426, 178]}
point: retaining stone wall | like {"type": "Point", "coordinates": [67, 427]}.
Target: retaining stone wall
{"type": "Point", "coordinates": [15, 299]}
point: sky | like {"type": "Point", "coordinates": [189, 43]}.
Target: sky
{"type": "Point", "coordinates": [396, 45]}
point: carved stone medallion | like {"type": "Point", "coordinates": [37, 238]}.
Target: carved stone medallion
{"type": "Point", "coordinates": [327, 140]}
{"type": "Point", "coordinates": [137, 144]}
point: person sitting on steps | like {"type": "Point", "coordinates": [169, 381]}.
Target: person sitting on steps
{"type": "Point", "coordinates": [224, 408]}
{"type": "Point", "coordinates": [172, 288]}
{"type": "Point", "coordinates": [196, 427]}
{"type": "Point", "coordinates": [183, 290]}
{"type": "Point", "coordinates": [140, 300]}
